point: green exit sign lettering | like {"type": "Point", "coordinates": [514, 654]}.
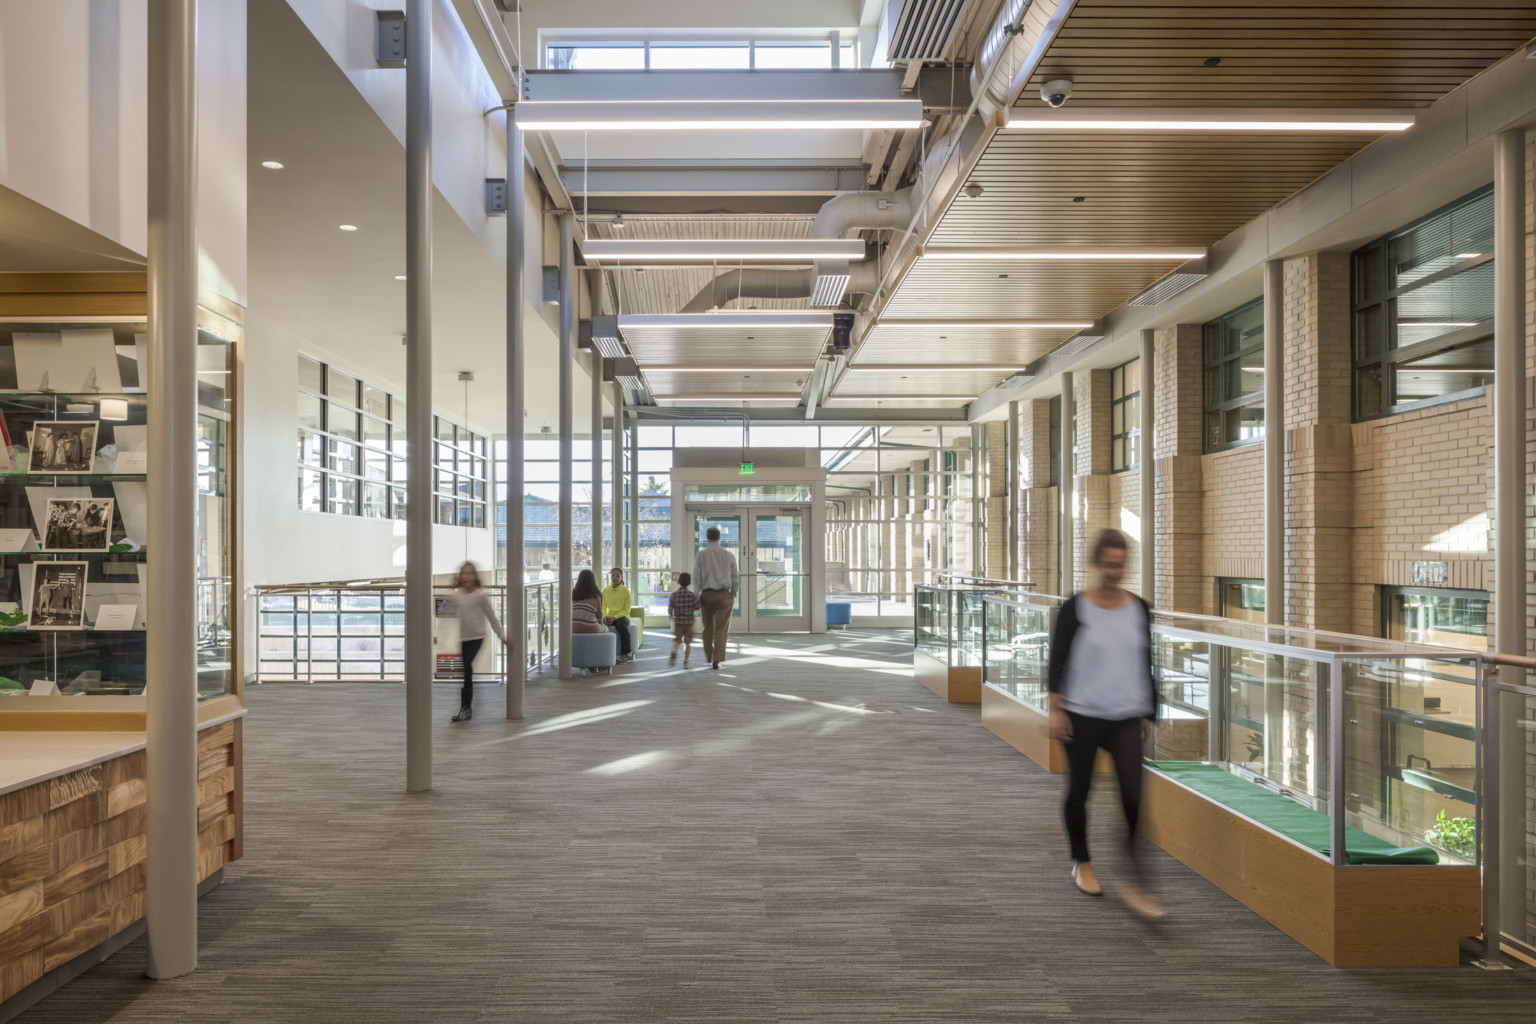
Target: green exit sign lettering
{"type": "Point", "coordinates": [747, 469]}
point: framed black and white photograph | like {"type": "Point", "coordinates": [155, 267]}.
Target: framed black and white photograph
{"type": "Point", "coordinates": [78, 524]}
{"type": "Point", "coordinates": [67, 446]}
{"type": "Point", "coordinates": [58, 596]}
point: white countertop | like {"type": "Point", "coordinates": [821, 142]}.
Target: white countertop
{"type": "Point", "coordinates": [27, 758]}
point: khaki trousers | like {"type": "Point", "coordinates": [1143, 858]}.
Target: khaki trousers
{"type": "Point", "coordinates": [716, 609]}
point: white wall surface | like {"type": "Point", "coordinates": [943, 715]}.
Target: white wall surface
{"type": "Point", "coordinates": [284, 545]}
{"type": "Point", "coordinates": [467, 147]}
{"type": "Point", "coordinates": [73, 121]}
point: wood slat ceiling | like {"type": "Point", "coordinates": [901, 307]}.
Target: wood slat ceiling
{"type": "Point", "coordinates": [669, 289]}
{"type": "Point", "coordinates": [717, 346]}
{"type": "Point", "coordinates": [1393, 53]}
{"type": "Point", "coordinates": [998, 288]}
{"type": "Point", "coordinates": [955, 345]}
{"type": "Point", "coordinates": [664, 383]}
{"type": "Point", "coordinates": [1142, 188]}
{"type": "Point", "coordinates": [1151, 188]}
{"type": "Point", "coordinates": [969, 384]}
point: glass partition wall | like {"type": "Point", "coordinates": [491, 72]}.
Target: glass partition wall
{"type": "Point", "coordinates": [1297, 713]}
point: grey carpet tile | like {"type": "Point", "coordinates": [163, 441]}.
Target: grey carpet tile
{"type": "Point", "coordinates": [806, 835]}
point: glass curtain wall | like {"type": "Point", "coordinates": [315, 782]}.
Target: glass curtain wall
{"type": "Point", "coordinates": [899, 505]}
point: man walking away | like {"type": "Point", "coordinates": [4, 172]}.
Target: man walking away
{"type": "Point", "coordinates": [715, 581]}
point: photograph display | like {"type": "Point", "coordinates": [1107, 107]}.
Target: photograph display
{"type": "Point", "coordinates": [63, 446]}
{"type": "Point", "coordinates": [58, 596]}
{"type": "Point", "coordinates": [78, 524]}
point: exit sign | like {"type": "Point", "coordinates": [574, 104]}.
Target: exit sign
{"type": "Point", "coordinates": [747, 469]}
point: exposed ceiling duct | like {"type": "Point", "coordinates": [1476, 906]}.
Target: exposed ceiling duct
{"type": "Point", "coordinates": [831, 279]}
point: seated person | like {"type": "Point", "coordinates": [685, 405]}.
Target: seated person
{"type": "Point", "coordinates": [587, 605]}
{"type": "Point", "coordinates": [617, 601]}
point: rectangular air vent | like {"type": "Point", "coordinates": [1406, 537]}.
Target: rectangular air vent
{"type": "Point", "coordinates": [632, 383]}
{"type": "Point", "coordinates": [1182, 279]}
{"type": "Point", "coordinates": [924, 30]}
{"type": "Point", "coordinates": [831, 282]}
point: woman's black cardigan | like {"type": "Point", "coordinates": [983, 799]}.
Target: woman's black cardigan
{"type": "Point", "coordinates": [1065, 631]}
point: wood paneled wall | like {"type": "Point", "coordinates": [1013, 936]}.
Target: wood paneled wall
{"type": "Point", "coordinates": [72, 854]}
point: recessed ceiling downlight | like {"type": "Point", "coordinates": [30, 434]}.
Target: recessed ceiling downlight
{"type": "Point", "coordinates": [272, 165]}
{"type": "Point", "coordinates": [348, 227]}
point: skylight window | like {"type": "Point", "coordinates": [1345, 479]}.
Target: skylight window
{"type": "Point", "coordinates": [712, 55]}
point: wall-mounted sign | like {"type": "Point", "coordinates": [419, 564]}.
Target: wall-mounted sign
{"type": "Point", "coordinates": [1428, 574]}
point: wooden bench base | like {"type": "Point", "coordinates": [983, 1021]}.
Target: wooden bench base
{"type": "Point", "coordinates": [956, 685]}
{"type": "Point", "coordinates": [1386, 916]}
{"type": "Point", "coordinates": [1027, 730]}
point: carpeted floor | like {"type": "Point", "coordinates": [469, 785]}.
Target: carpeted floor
{"type": "Point", "coordinates": [806, 835]}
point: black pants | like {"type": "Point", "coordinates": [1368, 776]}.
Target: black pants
{"type": "Point", "coordinates": [621, 626]}
{"type": "Point", "coordinates": [1123, 741]}
{"type": "Point", "coordinates": [467, 651]}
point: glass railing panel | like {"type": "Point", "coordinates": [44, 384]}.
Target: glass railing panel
{"type": "Point", "coordinates": [1183, 668]}
{"type": "Point", "coordinates": [932, 620]}
{"type": "Point", "coordinates": [1517, 800]}
{"type": "Point", "coordinates": [969, 625]}
{"type": "Point", "coordinates": [1410, 757]}
{"type": "Point", "coordinates": [1276, 721]}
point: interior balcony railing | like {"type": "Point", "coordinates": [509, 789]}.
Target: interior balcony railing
{"type": "Point", "coordinates": [1408, 753]}
{"type": "Point", "coordinates": [355, 632]}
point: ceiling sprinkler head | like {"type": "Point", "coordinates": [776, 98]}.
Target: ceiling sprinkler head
{"type": "Point", "coordinates": [974, 190]}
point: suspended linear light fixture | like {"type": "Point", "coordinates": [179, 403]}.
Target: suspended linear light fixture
{"type": "Point", "coordinates": [718, 115]}
{"type": "Point", "coordinates": [1134, 119]}
{"type": "Point", "coordinates": [1061, 253]}
{"type": "Point", "coordinates": [732, 250]}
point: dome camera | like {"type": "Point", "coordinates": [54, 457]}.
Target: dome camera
{"type": "Point", "coordinates": [1056, 91]}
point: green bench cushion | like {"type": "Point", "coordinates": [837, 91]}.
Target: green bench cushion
{"type": "Point", "coordinates": [1286, 816]}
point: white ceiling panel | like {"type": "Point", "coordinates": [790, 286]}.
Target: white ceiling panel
{"type": "Point", "coordinates": [956, 345]}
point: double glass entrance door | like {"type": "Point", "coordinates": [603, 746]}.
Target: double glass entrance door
{"type": "Point", "coordinates": [768, 544]}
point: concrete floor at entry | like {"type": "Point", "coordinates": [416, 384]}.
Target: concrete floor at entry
{"type": "Point", "coordinates": [806, 835]}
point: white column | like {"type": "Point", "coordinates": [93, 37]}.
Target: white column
{"type": "Point", "coordinates": [567, 428]}
{"type": "Point", "coordinates": [1274, 443]}
{"type": "Point", "coordinates": [1148, 475]}
{"type": "Point", "coordinates": [517, 657]}
{"type": "Point", "coordinates": [171, 655]}
{"type": "Point", "coordinates": [418, 396]}
{"type": "Point", "coordinates": [599, 569]}
{"type": "Point", "coordinates": [1504, 746]}
{"type": "Point", "coordinates": [1066, 581]}
{"type": "Point", "coordinates": [1011, 488]}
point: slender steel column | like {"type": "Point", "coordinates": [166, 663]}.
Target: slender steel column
{"type": "Point", "coordinates": [1274, 442]}
{"type": "Point", "coordinates": [1148, 474]}
{"type": "Point", "coordinates": [567, 428]}
{"type": "Point", "coordinates": [418, 396]}
{"type": "Point", "coordinates": [1011, 485]}
{"type": "Point", "coordinates": [1504, 746]}
{"type": "Point", "coordinates": [1065, 579]}
{"type": "Point", "coordinates": [599, 569]}
{"type": "Point", "coordinates": [616, 498]}
{"type": "Point", "coordinates": [171, 645]}
{"type": "Point", "coordinates": [517, 605]}
{"type": "Point", "coordinates": [634, 498]}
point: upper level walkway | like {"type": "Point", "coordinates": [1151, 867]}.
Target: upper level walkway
{"type": "Point", "coordinates": [805, 835]}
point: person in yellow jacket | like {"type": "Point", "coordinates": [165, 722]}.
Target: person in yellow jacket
{"type": "Point", "coordinates": [617, 601]}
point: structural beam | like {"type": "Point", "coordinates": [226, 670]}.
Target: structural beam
{"type": "Point", "coordinates": [171, 645]}
{"type": "Point", "coordinates": [517, 606]}
{"type": "Point", "coordinates": [616, 495]}
{"type": "Point", "coordinates": [418, 392]}
{"type": "Point", "coordinates": [564, 580]}
{"type": "Point", "coordinates": [641, 86]}
{"type": "Point", "coordinates": [1148, 473]}
{"type": "Point", "coordinates": [1274, 442]}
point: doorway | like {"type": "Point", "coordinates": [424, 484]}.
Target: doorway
{"type": "Point", "coordinates": [769, 545]}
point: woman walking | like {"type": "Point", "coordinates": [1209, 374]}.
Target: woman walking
{"type": "Point", "coordinates": [1103, 697]}
{"type": "Point", "coordinates": [472, 605]}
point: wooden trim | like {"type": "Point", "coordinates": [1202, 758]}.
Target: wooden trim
{"type": "Point", "coordinates": [1027, 730]}
{"type": "Point", "coordinates": [87, 720]}
{"type": "Point", "coordinates": [955, 684]}
{"type": "Point", "coordinates": [1389, 916]}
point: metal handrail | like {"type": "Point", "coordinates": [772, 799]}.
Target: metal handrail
{"type": "Point", "coordinates": [957, 579]}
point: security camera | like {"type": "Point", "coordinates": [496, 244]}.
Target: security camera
{"type": "Point", "coordinates": [1056, 91]}
{"type": "Point", "coordinates": [974, 190]}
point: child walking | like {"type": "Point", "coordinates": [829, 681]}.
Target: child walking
{"type": "Point", "coordinates": [683, 605]}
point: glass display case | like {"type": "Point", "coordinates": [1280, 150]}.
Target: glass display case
{"type": "Point", "coordinates": [1377, 737]}
{"type": "Point", "coordinates": [74, 515]}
